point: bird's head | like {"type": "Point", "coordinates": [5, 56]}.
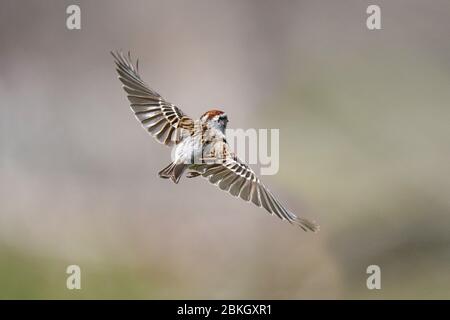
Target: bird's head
{"type": "Point", "coordinates": [216, 119]}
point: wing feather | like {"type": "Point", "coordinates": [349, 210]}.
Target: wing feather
{"type": "Point", "coordinates": [163, 120]}
{"type": "Point", "coordinates": [238, 179]}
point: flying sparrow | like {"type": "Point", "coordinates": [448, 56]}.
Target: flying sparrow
{"type": "Point", "coordinates": [198, 146]}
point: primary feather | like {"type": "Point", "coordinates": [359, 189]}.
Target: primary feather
{"type": "Point", "coordinates": [192, 139]}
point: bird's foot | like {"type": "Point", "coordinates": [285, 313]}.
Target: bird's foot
{"type": "Point", "coordinates": [193, 174]}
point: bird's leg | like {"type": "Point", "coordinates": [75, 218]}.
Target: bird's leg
{"type": "Point", "coordinates": [193, 174]}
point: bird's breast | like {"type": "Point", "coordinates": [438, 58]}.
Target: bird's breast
{"type": "Point", "coordinates": [188, 150]}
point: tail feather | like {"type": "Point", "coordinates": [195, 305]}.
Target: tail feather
{"type": "Point", "coordinates": [173, 171]}
{"type": "Point", "coordinates": [166, 173]}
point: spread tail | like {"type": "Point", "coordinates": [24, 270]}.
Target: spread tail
{"type": "Point", "coordinates": [173, 171]}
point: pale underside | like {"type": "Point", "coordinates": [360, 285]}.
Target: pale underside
{"type": "Point", "coordinates": [170, 126]}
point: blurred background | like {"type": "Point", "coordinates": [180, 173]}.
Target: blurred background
{"type": "Point", "coordinates": [364, 123]}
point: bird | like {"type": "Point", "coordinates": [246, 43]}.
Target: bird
{"type": "Point", "coordinates": [199, 147]}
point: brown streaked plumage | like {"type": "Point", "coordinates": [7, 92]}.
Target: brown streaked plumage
{"type": "Point", "coordinates": [199, 146]}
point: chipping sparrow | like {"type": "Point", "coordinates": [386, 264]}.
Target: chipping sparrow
{"type": "Point", "coordinates": [199, 146]}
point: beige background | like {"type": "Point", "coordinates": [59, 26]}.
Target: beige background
{"type": "Point", "coordinates": [364, 127]}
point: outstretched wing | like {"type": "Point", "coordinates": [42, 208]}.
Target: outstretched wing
{"type": "Point", "coordinates": [161, 119]}
{"type": "Point", "coordinates": [238, 179]}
